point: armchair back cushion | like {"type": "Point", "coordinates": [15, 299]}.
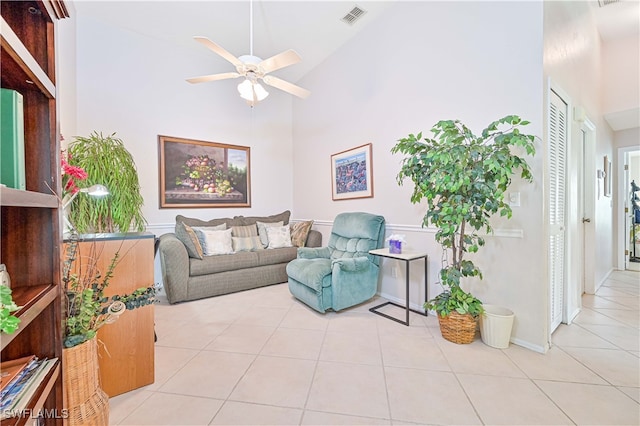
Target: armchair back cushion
{"type": "Point", "coordinates": [354, 234]}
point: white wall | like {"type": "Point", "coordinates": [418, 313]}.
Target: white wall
{"type": "Point", "coordinates": [135, 86]}
{"type": "Point", "coordinates": [423, 62]}
{"type": "Point", "coordinates": [573, 61]}
{"type": "Point", "coordinates": [66, 75]}
{"type": "Point", "coordinates": [621, 67]}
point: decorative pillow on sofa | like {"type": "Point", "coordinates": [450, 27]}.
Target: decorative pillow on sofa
{"type": "Point", "coordinates": [299, 232]}
{"type": "Point", "coordinates": [189, 237]}
{"type": "Point", "coordinates": [244, 231]}
{"type": "Point", "coordinates": [279, 236]}
{"type": "Point", "coordinates": [262, 230]}
{"type": "Point", "coordinates": [246, 243]}
{"type": "Point", "coordinates": [217, 242]}
{"type": "Point", "coordinates": [199, 230]}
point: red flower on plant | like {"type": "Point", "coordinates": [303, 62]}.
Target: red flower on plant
{"type": "Point", "coordinates": [70, 176]}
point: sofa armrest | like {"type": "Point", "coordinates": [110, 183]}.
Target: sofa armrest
{"type": "Point", "coordinates": [314, 239]}
{"type": "Point", "coordinates": [174, 261]}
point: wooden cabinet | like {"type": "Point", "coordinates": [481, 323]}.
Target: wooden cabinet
{"type": "Point", "coordinates": [126, 347]}
{"type": "Point", "coordinates": [30, 219]}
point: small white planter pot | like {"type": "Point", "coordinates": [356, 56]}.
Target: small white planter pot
{"type": "Point", "coordinates": [495, 326]}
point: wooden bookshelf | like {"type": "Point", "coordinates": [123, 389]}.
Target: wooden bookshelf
{"type": "Point", "coordinates": [30, 222]}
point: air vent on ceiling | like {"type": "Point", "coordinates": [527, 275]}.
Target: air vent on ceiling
{"type": "Point", "coordinates": [355, 14]}
{"type": "Point", "coordinates": [604, 3]}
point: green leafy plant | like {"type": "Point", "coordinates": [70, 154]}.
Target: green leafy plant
{"type": "Point", "coordinates": [463, 178]}
{"type": "Point", "coordinates": [87, 308]}
{"type": "Point", "coordinates": [106, 161]}
{"type": "Point", "coordinates": [8, 322]}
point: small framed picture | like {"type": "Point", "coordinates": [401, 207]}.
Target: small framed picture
{"type": "Point", "coordinates": [352, 173]}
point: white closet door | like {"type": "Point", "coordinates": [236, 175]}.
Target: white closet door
{"type": "Point", "coordinates": [557, 161]}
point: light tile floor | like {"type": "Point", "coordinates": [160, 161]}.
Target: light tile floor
{"type": "Point", "coordinates": [261, 357]}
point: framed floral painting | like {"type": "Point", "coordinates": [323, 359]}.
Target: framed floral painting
{"type": "Point", "coordinates": [203, 174]}
{"type": "Point", "coordinates": [352, 173]}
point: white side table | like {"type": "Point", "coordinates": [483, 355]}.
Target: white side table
{"type": "Point", "coordinates": [407, 257]}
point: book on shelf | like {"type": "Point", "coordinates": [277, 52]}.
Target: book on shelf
{"type": "Point", "coordinates": [10, 369]}
{"type": "Point", "coordinates": [14, 386]}
{"type": "Point", "coordinates": [18, 396]}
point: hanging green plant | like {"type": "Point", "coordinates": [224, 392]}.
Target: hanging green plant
{"type": "Point", "coordinates": [107, 162]}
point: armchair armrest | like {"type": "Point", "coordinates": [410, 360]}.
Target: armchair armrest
{"type": "Point", "coordinates": [313, 252]}
{"type": "Point", "coordinates": [351, 264]}
{"type": "Point", "coordinates": [353, 280]}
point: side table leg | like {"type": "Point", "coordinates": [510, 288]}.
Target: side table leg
{"type": "Point", "coordinates": [407, 276]}
{"type": "Point", "coordinates": [426, 283]}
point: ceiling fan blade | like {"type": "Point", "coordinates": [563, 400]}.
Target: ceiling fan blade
{"type": "Point", "coordinates": [281, 60]}
{"type": "Point", "coordinates": [286, 86]}
{"type": "Point", "coordinates": [219, 50]}
{"type": "Point", "coordinates": [213, 77]}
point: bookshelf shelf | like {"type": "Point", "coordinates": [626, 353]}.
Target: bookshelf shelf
{"type": "Point", "coordinates": [21, 56]}
{"type": "Point", "coordinates": [17, 198]}
{"type": "Point", "coordinates": [33, 300]}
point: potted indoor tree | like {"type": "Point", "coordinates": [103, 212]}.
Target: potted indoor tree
{"type": "Point", "coordinates": [106, 162]}
{"type": "Point", "coordinates": [463, 178]}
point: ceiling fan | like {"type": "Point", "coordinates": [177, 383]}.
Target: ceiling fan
{"type": "Point", "coordinates": [254, 70]}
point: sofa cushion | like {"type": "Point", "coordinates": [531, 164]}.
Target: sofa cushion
{"type": "Point", "coordinates": [250, 220]}
{"type": "Point", "coordinates": [299, 232]}
{"type": "Point", "coordinates": [229, 262]}
{"type": "Point", "coordinates": [262, 231]}
{"type": "Point", "coordinates": [188, 237]}
{"type": "Point", "coordinates": [246, 243]}
{"type": "Point", "coordinates": [244, 231]}
{"type": "Point", "coordinates": [213, 222]}
{"type": "Point", "coordinates": [215, 242]}
{"type": "Point", "coordinates": [279, 236]}
{"type": "Point", "coordinates": [275, 256]}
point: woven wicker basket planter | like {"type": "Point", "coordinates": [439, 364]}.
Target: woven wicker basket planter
{"type": "Point", "coordinates": [458, 328]}
{"type": "Point", "coordinates": [85, 401]}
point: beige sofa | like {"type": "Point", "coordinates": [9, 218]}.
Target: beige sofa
{"type": "Point", "coordinates": [187, 277]}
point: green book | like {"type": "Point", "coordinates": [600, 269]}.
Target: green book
{"type": "Point", "coordinates": [12, 139]}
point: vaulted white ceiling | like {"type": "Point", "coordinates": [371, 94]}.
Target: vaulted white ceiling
{"type": "Point", "coordinates": [313, 28]}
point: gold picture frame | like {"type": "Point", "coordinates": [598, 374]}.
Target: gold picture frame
{"type": "Point", "coordinates": [352, 173]}
{"type": "Point", "coordinates": [200, 174]}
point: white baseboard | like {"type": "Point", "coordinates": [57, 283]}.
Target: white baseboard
{"type": "Point", "coordinates": [529, 345]}
{"type": "Point", "coordinates": [603, 280]}
{"type": "Point", "coordinates": [402, 302]}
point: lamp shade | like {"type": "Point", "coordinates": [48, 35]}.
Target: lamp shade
{"type": "Point", "coordinates": [252, 92]}
{"type": "Point", "coordinates": [96, 190]}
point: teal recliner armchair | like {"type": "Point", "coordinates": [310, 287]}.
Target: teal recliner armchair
{"type": "Point", "coordinates": [342, 274]}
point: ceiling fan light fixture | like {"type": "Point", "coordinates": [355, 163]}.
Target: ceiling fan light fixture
{"type": "Point", "coordinates": [260, 91]}
{"type": "Point", "coordinates": [250, 91]}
